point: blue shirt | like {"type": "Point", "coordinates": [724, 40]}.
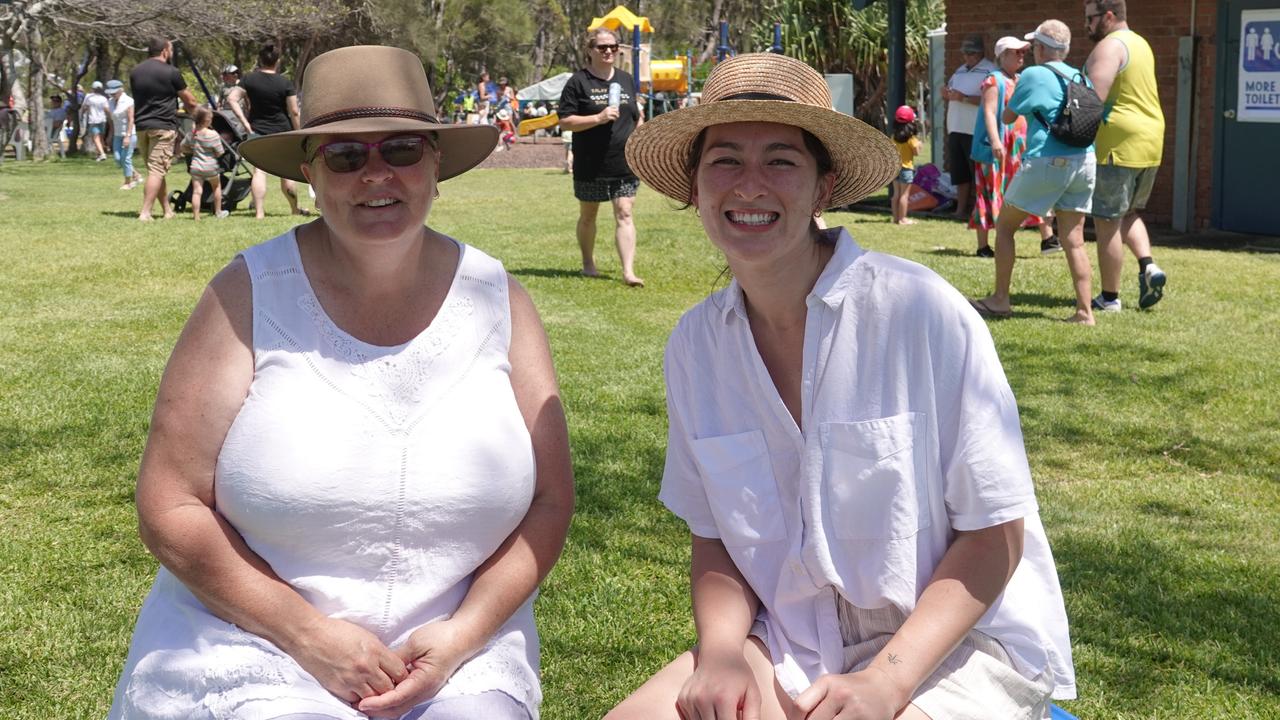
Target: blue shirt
{"type": "Point", "coordinates": [1039, 90]}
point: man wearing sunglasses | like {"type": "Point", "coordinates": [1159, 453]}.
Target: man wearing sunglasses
{"type": "Point", "coordinates": [600, 131]}
{"type": "Point", "coordinates": [1130, 141]}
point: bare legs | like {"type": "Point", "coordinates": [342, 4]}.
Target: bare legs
{"type": "Point", "coordinates": [197, 191]}
{"type": "Point", "coordinates": [1072, 226]}
{"type": "Point", "coordinates": [152, 189]}
{"type": "Point", "coordinates": [587, 236]}
{"type": "Point", "coordinates": [624, 238]}
{"type": "Point", "coordinates": [258, 188]}
{"type": "Point", "coordinates": [901, 201]}
{"type": "Point", "coordinates": [656, 699]}
{"type": "Point", "coordinates": [1071, 233]}
{"type": "Point", "coordinates": [1133, 232]}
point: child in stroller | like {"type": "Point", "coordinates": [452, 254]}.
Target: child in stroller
{"type": "Point", "coordinates": [233, 177]}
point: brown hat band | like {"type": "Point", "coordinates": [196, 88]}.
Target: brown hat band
{"type": "Point", "coordinates": [368, 112]}
{"type": "Point", "coordinates": [758, 96]}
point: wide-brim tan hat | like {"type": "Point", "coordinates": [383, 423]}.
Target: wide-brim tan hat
{"type": "Point", "coordinates": [765, 87]}
{"type": "Point", "coordinates": [368, 88]}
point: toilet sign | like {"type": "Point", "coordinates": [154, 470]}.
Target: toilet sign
{"type": "Point", "coordinates": [1259, 96]}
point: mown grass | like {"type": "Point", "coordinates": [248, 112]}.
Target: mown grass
{"type": "Point", "coordinates": [1153, 439]}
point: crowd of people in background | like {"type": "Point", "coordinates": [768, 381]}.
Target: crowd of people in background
{"type": "Point", "coordinates": [1007, 168]}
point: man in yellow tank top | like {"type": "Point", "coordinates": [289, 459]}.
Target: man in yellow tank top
{"type": "Point", "coordinates": [1129, 144]}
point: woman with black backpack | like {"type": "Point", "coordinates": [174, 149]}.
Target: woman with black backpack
{"type": "Point", "coordinates": [1057, 172]}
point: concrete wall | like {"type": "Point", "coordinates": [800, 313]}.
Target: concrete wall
{"type": "Point", "coordinates": [1161, 23]}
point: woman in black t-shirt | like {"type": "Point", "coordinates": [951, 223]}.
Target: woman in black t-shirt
{"type": "Point", "coordinates": [600, 132]}
{"type": "Point", "coordinates": [273, 108]}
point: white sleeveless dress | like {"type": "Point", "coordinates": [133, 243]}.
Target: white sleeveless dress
{"type": "Point", "coordinates": [374, 480]}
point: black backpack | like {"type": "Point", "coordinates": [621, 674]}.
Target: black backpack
{"type": "Point", "coordinates": [1079, 115]}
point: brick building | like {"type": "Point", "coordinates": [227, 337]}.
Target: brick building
{"type": "Point", "coordinates": [1217, 171]}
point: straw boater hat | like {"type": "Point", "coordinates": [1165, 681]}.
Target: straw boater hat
{"type": "Point", "coordinates": [368, 88]}
{"type": "Point", "coordinates": [764, 87]}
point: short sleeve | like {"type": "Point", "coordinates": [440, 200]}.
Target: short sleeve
{"type": "Point", "coordinates": [179, 84]}
{"type": "Point", "coordinates": [289, 89]}
{"type": "Point", "coordinates": [682, 490]}
{"type": "Point", "coordinates": [1024, 100]}
{"type": "Point", "coordinates": [989, 82]}
{"type": "Point", "coordinates": [571, 98]}
{"type": "Point", "coordinates": [986, 478]}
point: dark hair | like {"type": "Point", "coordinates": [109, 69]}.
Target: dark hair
{"type": "Point", "coordinates": [903, 132]}
{"type": "Point", "coordinates": [821, 157]}
{"type": "Point", "coordinates": [156, 45]}
{"type": "Point", "coordinates": [1115, 7]}
{"type": "Point", "coordinates": [268, 56]}
{"type": "Point", "coordinates": [55, 97]}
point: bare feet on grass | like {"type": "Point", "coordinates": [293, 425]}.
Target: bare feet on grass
{"type": "Point", "coordinates": [1080, 317]}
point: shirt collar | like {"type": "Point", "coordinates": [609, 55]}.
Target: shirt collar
{"type": "Point", "coordinates": [830, 289]}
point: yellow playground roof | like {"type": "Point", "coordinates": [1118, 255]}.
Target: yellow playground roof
{"type": "Point", "coordinates": [621, 17]}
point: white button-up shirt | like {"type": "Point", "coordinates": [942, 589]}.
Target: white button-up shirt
{"type": "Point", "coordinates": [910, 432]}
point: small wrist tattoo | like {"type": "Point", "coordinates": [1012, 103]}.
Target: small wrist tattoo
{"type": "Point", "coordinates": [894, 659]}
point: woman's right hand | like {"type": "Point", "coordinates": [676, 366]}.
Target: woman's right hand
{"type": "Point", "coordinates": [722, 687]}
{"type": "Point", "coordinates": [347, 660]}
{"type": "Point", "coordinates": [998, 153]}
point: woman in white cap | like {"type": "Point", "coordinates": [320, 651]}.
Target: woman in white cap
{"type": "Point", "coordinates": [843, 444]}
{"type": "Point", "coordinates": [124, 135]}
{"type": "Point", "coordinates": [358, 469]}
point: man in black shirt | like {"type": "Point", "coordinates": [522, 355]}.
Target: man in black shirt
{"type": "Point", "coordinates": [273, 108]}
{"type": "Point", "coordinates": [600, 131]}
{"type": "Point", "coordinates": [157, 86]}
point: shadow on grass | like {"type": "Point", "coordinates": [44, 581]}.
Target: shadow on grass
{"type": "Point", "coordinates": [1151, 603]}
{"type": "Point", "coordinates": [552, 273]}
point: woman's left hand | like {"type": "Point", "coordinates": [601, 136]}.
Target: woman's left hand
{"type": "Point", "coordinates": [866, 695]}
{"type": "Point", "coordinates": [431, 654]}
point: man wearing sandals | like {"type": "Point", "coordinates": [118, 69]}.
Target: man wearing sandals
{"type": "Point", "coordinates": [1122, 69]}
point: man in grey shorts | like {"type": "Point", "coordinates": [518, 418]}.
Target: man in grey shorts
{"type": "Point", "coordinates": [1122, 69]}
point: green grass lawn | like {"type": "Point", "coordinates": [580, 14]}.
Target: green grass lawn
{"type": "Point", "coordinates": [1154, 439]}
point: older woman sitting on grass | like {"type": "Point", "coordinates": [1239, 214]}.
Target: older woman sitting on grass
{"type": "Point", "coordinates": [358, 468]}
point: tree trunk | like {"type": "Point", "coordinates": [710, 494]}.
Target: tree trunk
{"type": "Point", "coordinates": [540, 53]}
{"type": "Point", "coordinates": [102, 60]}
{"type": "Point", "coordinates": [35, 102]}
{"type": "Point", "coordinates": [710, 49]}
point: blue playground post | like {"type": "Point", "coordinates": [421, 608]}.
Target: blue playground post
{"type": "Point", "coordinates": [722, 50]}
{"type": "Point", "coordinates": [635, 59]}
{"type": "Point", "coordinates": [777, 39]}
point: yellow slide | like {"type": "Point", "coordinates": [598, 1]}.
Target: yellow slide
{"type": "Point", "coordinates": [527, 127]}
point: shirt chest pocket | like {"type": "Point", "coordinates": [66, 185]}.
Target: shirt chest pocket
{"type": "Point", "coordinates": [738, 479]}
{"type": "Point", "coordinates": [875, 477]}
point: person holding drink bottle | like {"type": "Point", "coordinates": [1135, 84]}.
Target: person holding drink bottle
{"type": "Point", "coordinates": [598, 105]}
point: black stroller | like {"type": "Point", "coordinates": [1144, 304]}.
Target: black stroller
{"type": "Point", "coordinates": [236, 177]}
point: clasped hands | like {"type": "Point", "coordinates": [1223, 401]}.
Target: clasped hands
{"type": "Point", "coordinates": [722, 687]}
{"type": "Point", "coordinates": [353, 664]}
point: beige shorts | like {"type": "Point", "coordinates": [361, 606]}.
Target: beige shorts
{"type": "Point", "coordinates": [157, 147]}
{"type": "Point", "coordinates": [975, 682]}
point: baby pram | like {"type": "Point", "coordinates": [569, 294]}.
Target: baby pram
{"type": "Point", "coordinates": [235, 176]}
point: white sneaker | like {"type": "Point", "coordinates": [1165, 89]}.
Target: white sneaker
{"type": "Point", "coordinates": [222, 213]}
{"type": "Point", "coordinates": [1150, 286]}
{"type": "Point", "coordinates": [1099, 303]}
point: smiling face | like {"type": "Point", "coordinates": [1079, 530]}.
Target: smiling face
{"type": "Point", "coordinates": [379, 201]}
{"type": "Point", "coordinates": [757, 187]}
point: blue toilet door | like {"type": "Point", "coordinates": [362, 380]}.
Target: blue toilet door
{"type": "Point", "coordinates": [1246, 172]}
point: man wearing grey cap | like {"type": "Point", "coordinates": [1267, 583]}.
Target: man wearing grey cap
{"type": "Point", "coordinates": [964, 94]}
